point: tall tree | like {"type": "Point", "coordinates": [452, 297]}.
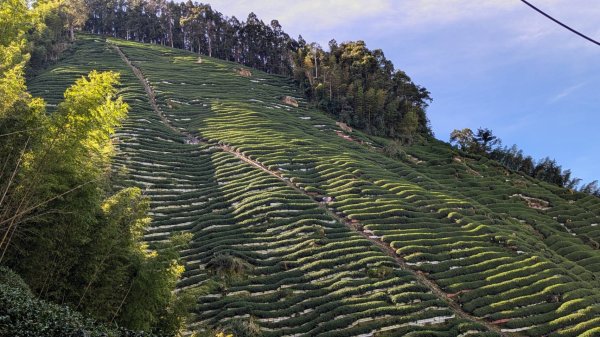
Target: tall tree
{"type": "Point", "coordinates": [485, 140]}
{"type": "Point", "coordinates": [75, 13]}
{"type": "Point", "coordinates": [464, 138]}
{"type": "Point", "coordinates": [356, 85]}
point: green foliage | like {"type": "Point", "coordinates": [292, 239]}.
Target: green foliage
{"type": "Point", "coordinates": [116, 254]}
{"type": "Point", "coordinates": [409, 126]}
{"type": "Point", "coordinates": [151, 304]}
{"type": "Point", "coordinates": [485, 143]}
{"type": "Point", "coordinates": [393, 149]}
{"type": "Point", "coordinates": [58, 200]}
{"type": "Point", "coordinates": [13, 26]}
{"type": "Point", "coordinates": [380, 272]}
{"type": "Point", "coordinates": [126, 282]}
{"type": "Point", "coordinates": [74, 14]}
{"type": "Point", "coordinates": [58, 228]}
{"type": "Point", "coordinates": [42, 25]}
{"type": "Point", "coordinates": [242, 328]}
{"type": "Point", "coordinates": [356, 85]}
{"type": "Point", "coordinates": [195, 27]}
{"type": "Point", "coordinates": [227, 266]}
{"type": "Point", "coordinates": [464, 138]}
{"type": "Point", "coordinates": [15, 21]}
{"type": "Point", "coordinates": [12, 280]}
{"type": "Point", "coordinates": [362, 88]}
{"type": "Point", "coordinates": [89, 114]}
{"type": "Point", "coordinates": [23, 315]}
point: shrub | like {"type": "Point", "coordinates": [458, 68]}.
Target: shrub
{"type": "Point", "coordinates": [242, 327]}
{"type": "Point", "coordinates": [23, 315]}
{"type": "Point", "coordinates": [228, 266]}
{"type": "Point", "coordinates": [393, 149]}
{"type": "Point", "coordinates": [13, 280]}
{"type": "Point", "coordinates": [380, 272]}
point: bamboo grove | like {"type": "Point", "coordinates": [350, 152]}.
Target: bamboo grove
{"type": "Point", "coordinates": [64, 228]}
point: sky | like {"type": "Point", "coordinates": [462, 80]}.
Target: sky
{"type": "Point", "coordinates": [487, 63]}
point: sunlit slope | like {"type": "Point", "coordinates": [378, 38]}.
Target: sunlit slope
{"type": "Point", "coordinates": [521, 254]}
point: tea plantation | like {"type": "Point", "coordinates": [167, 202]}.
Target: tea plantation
{"type": "Point", "coordinates": [334, 237]}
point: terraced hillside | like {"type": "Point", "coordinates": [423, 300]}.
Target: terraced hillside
{"type": "Point", "coordinates": [341, 239]}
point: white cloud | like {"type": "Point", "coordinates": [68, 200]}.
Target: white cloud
{"type": "Point", "coordinates": [331, 13]}
{"type": "Point", "coordinates": [566, 92]}
{"type": "Point", "coordinates": [436, 36]}
{"type": "Point", "coordinates": [305, 14]}
{"type": "Point", "coordinates": [441, 12]}
{"type": "Point", "coordinates": [487, 62]}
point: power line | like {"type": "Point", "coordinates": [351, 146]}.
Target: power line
{"type": "Point", "coordinates": [560, 23]}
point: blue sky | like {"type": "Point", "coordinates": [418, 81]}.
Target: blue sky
{"type": "Point", "coordinates": [488, 63]}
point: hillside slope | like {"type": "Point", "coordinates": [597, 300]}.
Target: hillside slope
{"type": "Point", "coordinates": [433, 243]}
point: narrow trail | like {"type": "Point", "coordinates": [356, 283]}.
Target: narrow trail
{"type": "Point", "coordinates": [354, 226]}
{"type": "Point", "coordinates": [151, 95]}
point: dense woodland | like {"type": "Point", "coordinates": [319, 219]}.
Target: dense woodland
{"type": "Point", "coordinates": [361, 87]}
{"type": "Point", "coordinates": [356, 85]}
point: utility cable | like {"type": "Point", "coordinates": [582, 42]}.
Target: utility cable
{"type": "Point", "coordinates": [560, 23]}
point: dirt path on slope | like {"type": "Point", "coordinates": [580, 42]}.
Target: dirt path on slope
{"type": "Point", "coordinates": [149, 92]}
{"type": "Point", "coordinates": [385, 247]}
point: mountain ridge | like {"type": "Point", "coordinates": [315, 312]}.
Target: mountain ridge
{"type": "Point", "coordinates": [423, 280]}
{"type": "Point", "coordinates": [440, 212]}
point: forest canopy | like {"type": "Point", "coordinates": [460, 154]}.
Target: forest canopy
{"type": "Point", "coordinates": [357, 85]}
